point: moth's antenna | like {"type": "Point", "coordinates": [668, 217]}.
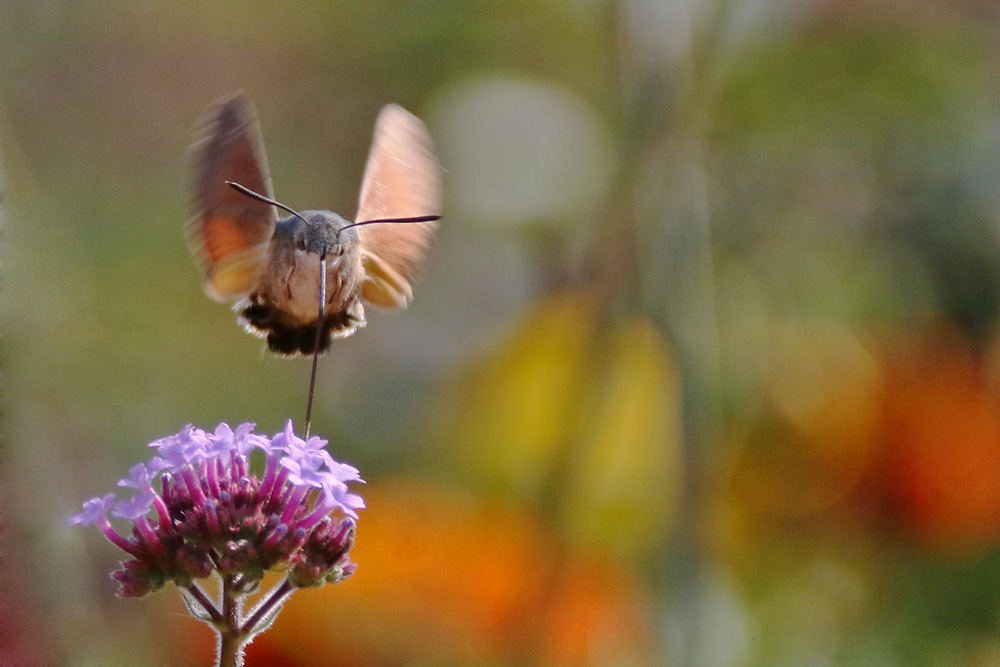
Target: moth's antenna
{"type": "Point", "coordinates": [242, 189]}
{"type": "Point", "coordinates": [419, 218]}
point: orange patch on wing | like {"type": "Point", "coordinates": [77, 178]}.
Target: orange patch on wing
{"type": "Point", "coordinates": [223, 238]}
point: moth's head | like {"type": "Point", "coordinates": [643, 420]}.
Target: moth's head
{"type": "Point", "coordinates": [316, 231]}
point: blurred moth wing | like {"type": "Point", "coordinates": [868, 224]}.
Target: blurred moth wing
{"type": "Point", "coordinates": [383, 286]}
{"type": "Point", "coordinates": [402, 180]}
{"type": "Point", "coordinates": [230, 236]}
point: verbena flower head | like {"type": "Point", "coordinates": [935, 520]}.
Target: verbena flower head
{"type": "Point", "coordinates": [197, 509]}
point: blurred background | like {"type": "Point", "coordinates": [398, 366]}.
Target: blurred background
{"type": "Point", "coordinates": [703, 368]}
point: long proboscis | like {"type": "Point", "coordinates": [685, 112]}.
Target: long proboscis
{"type": "Point", "coordinates": [242, 189]}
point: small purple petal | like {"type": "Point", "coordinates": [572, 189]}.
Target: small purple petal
{"type": "Point", "coordinates": [344, 472]}
{"type": "Point", "coordinates": [94, 510]}
{"type": "Point", "coordinates": [221, 442]}
{"type": "Point", "coordinates": [286, 438]}
{"type": "Point", "coordinates": [182, 449]}
{"type": "Point", "coordinates": [349, 503]}
{"type": "Point", "coordinates": [244, 441]}
{"type": "Point", "coordinates": [254, 441]}
{"type": "Point", "coordinates": [139, 478]}
{"type": "Point", "coordinates": [157, 465]}
{"type": "Point", "coordinates": [303, 472]}
{"type": "Point", "coordinates": [137, 507]}
{"type": "Point", "coordinates": [315, 443]}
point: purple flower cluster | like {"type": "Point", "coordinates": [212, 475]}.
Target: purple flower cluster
{"type": "Point", "coordinates": [212, 514]}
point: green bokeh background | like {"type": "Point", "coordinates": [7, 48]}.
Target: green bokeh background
{"type": "Point", "coordinates": [714, 300]}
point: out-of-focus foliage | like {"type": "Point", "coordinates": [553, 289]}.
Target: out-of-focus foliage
{"type": "Point", "coordinates": [480, 579]}
{"type": "Point", "coordinates": [591, 415]}
{"type": "Point", "coordinates": [703, 369]}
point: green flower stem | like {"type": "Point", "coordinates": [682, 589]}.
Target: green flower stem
{"type": "Point", "coordinates": [232, 639]}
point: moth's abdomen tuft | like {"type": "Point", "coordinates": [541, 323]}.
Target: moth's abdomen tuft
{"type": "Point", "coordinates": [289, 339]}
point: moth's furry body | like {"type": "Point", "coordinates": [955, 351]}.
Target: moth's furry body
{"type": "Point", "coordinates": [285, 305]}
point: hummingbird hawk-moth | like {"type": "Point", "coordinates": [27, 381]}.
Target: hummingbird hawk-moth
{"type": "Point", "coordinates": [271, 267]}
